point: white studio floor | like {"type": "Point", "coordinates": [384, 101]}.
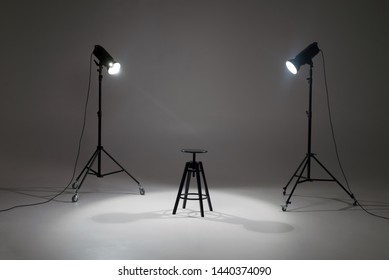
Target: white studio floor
{"type": "Point", "coordinates": [112, 221]}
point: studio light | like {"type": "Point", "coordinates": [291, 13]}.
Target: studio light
{"type": "Point", "coordinates": [304, 57]}
{"type": "Point", "coordinates": [303, 172]}
{"type": "Point", "coordinates": [114, 68]}
{"type": "Point", "coordinates": [105, 59]}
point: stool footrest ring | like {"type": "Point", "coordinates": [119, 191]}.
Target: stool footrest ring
{"type": "Point", "coordinates": [185, 196]}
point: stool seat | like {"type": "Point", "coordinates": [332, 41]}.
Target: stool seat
{"type": "Point", "coordinates": [194, 151]}
{"type": "Point", "coordinates": [193, 169]}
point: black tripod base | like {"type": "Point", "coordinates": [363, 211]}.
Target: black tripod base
{"type": "Point", "coordinates": [305, 165]}
{"type": "Point", "coordinates": [88, 170]}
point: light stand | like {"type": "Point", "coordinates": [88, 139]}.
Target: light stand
{"type": "Point", "coordinates": [305, 165]}
{"type": "Point", "coordinates": [100, 149]}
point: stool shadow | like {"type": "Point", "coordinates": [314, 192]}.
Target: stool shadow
{"type": "Point", "coordinates": [260, 226]}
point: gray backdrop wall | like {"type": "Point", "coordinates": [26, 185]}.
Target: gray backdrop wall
{"type": "Point", "coordinates": [208, 74]}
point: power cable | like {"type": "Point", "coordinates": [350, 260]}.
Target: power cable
{"type": "Point", "coordinates": [335, 143]}
{"type": "Point", "coordinates": [78, 150]}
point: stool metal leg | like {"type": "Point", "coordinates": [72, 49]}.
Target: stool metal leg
{"type": "Point", "coordinates": [206, 186]}
{"type": "Point", "coordinates": [199, 189]}
{"type": "Point", "coordinates": [181, 186]}
{"type": "Point", "coordinates": [187, 188]}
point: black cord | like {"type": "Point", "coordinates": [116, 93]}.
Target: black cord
{"type": "Point", "coordinates": [77, 155]}
{"type": "Point", "coordinates": [336, 146]}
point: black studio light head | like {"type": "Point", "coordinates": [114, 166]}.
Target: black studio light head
{"type": "Point", "coordinates": [304, 57]}
{"type": "Point", "coordinates": [105, 59]}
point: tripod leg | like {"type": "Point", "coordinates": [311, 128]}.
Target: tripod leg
{"type": "Point", "coordinates": [295, 185]}
{"type": "Point", "coordinates": [205, 186]}
{"type": "Point", "coordinates": [76, 184]}
{"type": "Point", "coordinates": [333, 177]}
{"type": "Point", "coordinates": [86, 168]}
{"type": "Point", "coordinates": [180, 188]}
{"type": "Point", "coordinates": [294, 174]}
{"type": "Point", "coordinates": [141, 189]}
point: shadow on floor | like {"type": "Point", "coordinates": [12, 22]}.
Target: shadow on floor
{"type": "Point", "coordinates": [251, 225]}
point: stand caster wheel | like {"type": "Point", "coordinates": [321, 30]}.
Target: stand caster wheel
{"type": "Point", "coordinates": [283, 208]}
{"type": "Point", "coordinates": [75, 185]}
{"type": "Point", "coordinates": [75, 197]}
{"type": "Point", "coordinates": [355, 203]}
{"type": "Point", "coordinates": [284, 192]}
{"type": "Point", "coordinates": [142, 191]}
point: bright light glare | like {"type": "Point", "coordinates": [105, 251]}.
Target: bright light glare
{"type": "Point", "coordinates": [291, 67]}
{"type": "Point", "coordinates": [114, 68]}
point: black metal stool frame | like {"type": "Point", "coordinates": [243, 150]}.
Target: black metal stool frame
{"type": "Point", "coordinates": [193, 169]}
